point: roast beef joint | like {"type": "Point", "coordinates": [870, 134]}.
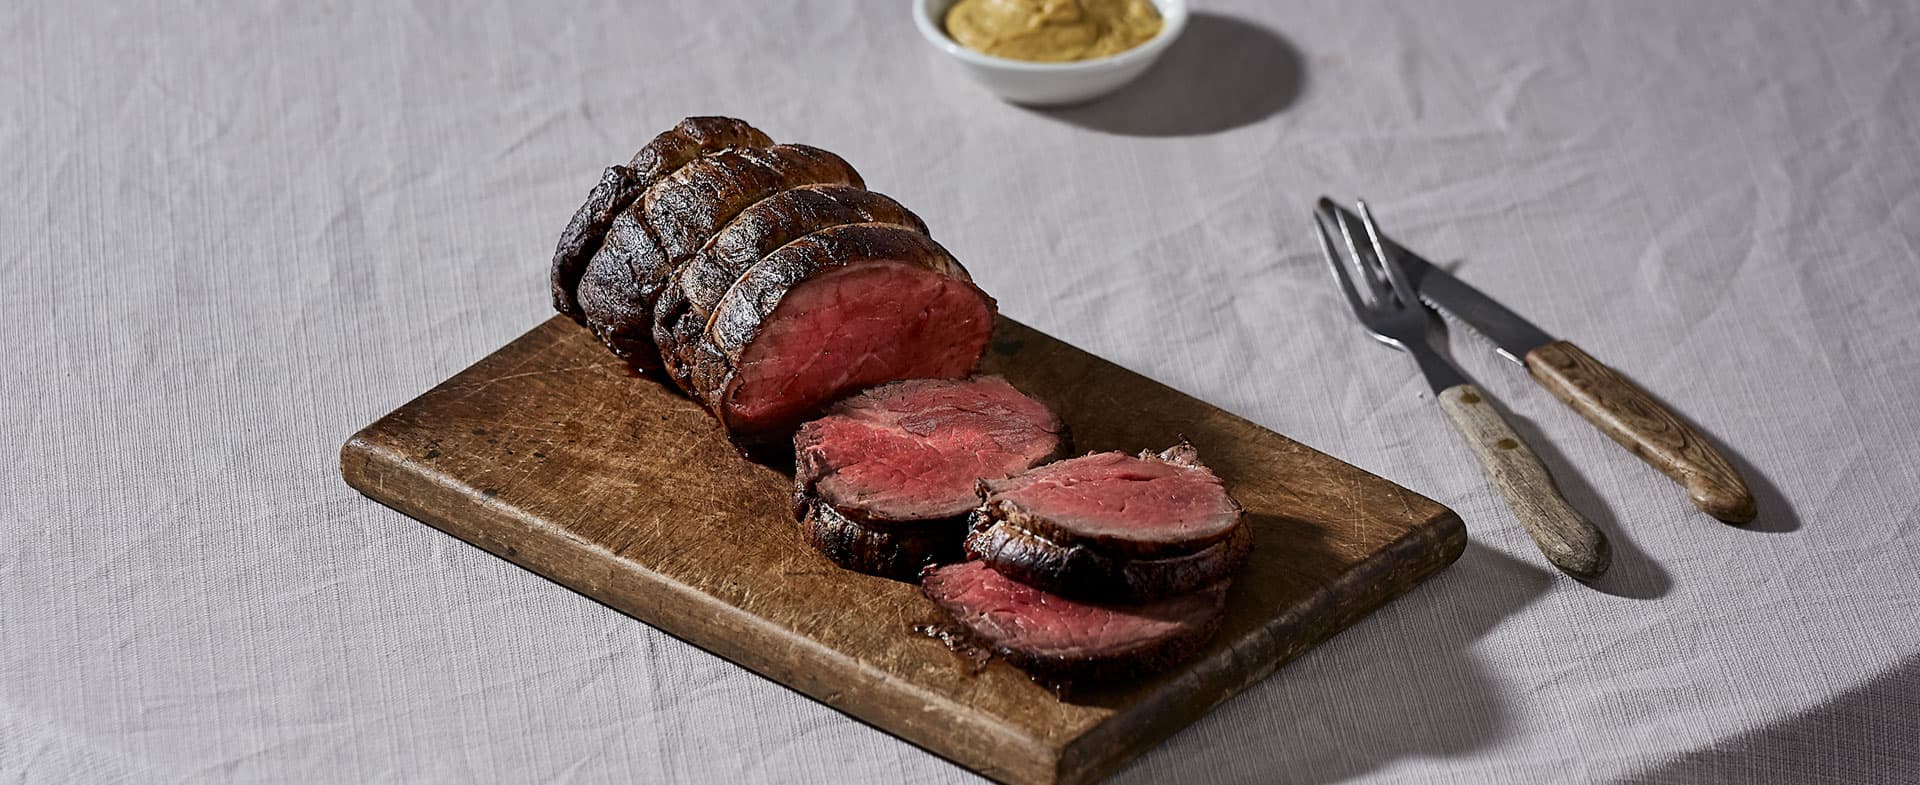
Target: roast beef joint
{"type": "Point", "coordinates": [762, 279]}
{"type": "Point", "coordinates": [765, 282]}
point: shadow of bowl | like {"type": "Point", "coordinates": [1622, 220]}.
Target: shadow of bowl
{"type": "Point", "coordinates": [1222, 73]}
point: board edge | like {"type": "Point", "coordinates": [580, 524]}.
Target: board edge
{"type": "Point", "coordinates": [1018, 758]}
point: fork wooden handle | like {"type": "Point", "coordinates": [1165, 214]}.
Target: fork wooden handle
{"type": "Point", "coordinates": [1620, 409]}
{"type": "Point", "coordinates": [1569, 540]}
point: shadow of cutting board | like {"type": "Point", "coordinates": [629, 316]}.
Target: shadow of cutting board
{"type": "Point", "coordinates": [548, 453]}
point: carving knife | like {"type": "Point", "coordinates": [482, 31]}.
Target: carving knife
{"type": "Point", "coordinates": [1614, 404]}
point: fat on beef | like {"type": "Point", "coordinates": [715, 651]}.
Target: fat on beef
{"type": "Point", "coordinates": [1112, 527]}
{"type": "Point", "coordinates": [1060, 638]}
{"type": "Point", "coordinates": [884, 481]}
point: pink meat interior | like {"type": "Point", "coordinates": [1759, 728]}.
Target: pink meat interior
{"type": "Point", "coordinates": [1116, 495]}
{"type": "Point", "coordinates": [913, 450]}
{"type": "Point", "coordinates": [1013, 614]}
{"type": "Point", "coordinates": [853, 328]}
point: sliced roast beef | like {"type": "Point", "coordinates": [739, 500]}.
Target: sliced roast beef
{"type": "Point", "coordinates": [839, 310]}
{"type": "Point", "coordinates": [1146, 506]}
{"type": "Point", "coordinates": [690, 205]}
{"type": "Point", "coordinates": [1088, 573]}
{"type": "Point", "coordinates": [1060, 638]}
{"type": "Point", "coordinates": [884, 481]}
{"type": "Point", "coordinates": [673, 218]}
{"type": "Point", "coordinates": [620, 186]}
{"type": "Point", "coordinates": [681, 315]}
{"type": "Point", "coordinates": [915, 450]}
{"type": "Point", "coordinates": [890, 550]}
{"type": "Point", "coordinates": [820, 289]}
{"type": "Point", "coordinates": [692, 138]}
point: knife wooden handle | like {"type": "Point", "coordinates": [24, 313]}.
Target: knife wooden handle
{"type": "Point", "coordinates": [1569, 540]}
{"type": "Point", "coordinates": [1622, 410]}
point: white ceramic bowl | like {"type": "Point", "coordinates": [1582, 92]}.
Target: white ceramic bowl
{"type": "Point", "coordinates": [1050, 84]}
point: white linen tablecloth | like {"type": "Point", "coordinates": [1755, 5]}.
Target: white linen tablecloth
{"type": "Point", "coordinates": [235, 233]}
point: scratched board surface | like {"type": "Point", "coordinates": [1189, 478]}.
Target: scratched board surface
{"type": "Point", "coordinates": [550, 454]}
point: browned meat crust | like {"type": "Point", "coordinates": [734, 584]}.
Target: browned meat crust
{"type": "Point", "coordinates": [1086, 573]}
{"type": "Point", "coordinates": [673, 218]}
{"type": "Point", "coordinates": [620, 186]}
{"type": "Point", "coordinates": [681, 314]}
{"type": "Point", "coordinates": [897, 550]}
{"type": "Point", "coordinates": [737, 318]}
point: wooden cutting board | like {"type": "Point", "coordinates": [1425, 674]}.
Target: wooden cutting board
{"type": "Point", "coordinates": [548, 453]}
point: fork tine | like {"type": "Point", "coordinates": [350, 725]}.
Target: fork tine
{"type": "Point", "coordinates": [1377, 291]}
{"type": "Point", "coordinates": [1402, 288]}
{"type": "Point", "coordinates": [1339, 270]}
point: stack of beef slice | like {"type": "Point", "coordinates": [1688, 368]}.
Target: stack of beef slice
{"type": "Point", "coordinates": [883, 484]}
{"type": "Point", "coordinates": [1093, 568]}
{"type": "Point", "coordinates": [1103, 567]}
{"type": "Point", "coordinates": [771, 287]}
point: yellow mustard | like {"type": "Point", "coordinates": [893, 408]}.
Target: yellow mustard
{"type": "Point", "coordinates": [1052, 30]}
